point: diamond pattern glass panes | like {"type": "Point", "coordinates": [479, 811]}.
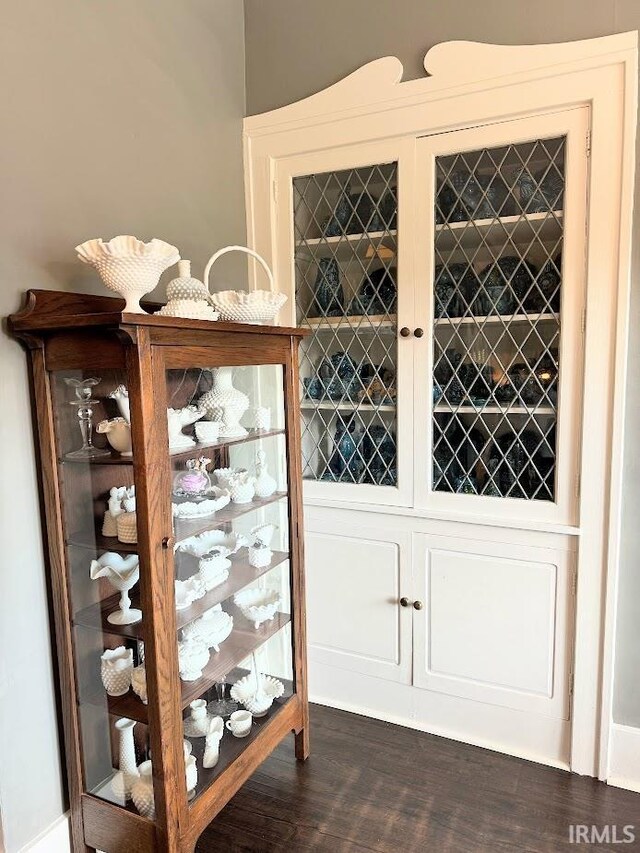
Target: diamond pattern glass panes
{"type": "Point", "coordinates": [345, 226]}
{"type": "Point", "coordinates": [496, 333]}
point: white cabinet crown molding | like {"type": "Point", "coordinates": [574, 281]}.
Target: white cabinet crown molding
{"type": "Point", "coordinates": [450, 64]}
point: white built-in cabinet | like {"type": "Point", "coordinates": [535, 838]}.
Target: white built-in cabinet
{"type": "Point", "coordinates": [458, 248]}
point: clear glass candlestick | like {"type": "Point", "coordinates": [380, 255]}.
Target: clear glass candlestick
{"type": "Point", "coordinates": [222, 706]}
{"type": "Point", "coordinates": [83, 402]}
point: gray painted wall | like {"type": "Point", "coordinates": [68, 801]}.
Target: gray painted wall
{"type": "Point", "coordinates": [294, 49]}
{"type": "Point", "coordinates": [118, 117]}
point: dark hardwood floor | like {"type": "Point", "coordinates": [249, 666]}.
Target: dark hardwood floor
{"type": "Point", "coordinates": [369, 785]}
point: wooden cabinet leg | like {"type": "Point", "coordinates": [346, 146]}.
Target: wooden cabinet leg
{"type": "Point", "coordinates": [302, 744]}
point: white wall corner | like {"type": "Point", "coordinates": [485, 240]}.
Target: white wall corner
{"type": "Point", "coordinates": [55, 839]}
{"type": "Point", "coordinates": [624, 757]}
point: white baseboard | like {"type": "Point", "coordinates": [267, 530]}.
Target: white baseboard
{"type": "Point", "coordinates": [544, 740]}
{"type": "Point", "coordinates": [624, 757]}
{"type": "Point", "coordinates": [55, 839]}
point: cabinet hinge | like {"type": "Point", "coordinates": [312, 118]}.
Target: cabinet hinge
{"type": "Point", "coordinates": [274, 190]}
{"type": "Point", "coordinates": [571, 683]}
{"type": "Point", "coordinates": [574, 583]}
{"type": "Point", "coordinates": [588, 146]}
{"type": "Point", "coordinates": [583, 322]}
{"type": "Point", "coordinates": [578, 484]}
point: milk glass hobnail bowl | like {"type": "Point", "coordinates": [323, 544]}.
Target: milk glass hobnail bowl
{"type": "Point", "coordinates": [240, 306]}
{"type": "Point", "coordinates": [129, 266]}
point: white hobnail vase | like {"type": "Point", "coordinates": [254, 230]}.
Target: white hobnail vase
{"type": "Point", "coordinates": [129, 266]}
{"type": "Point", "coordinates": [124, 780]}
{"type": "Point", "coordinates": [188, 297]}
{"type": "Point", "coordinates": [262, 417]}
{"type": "Point", "coordinates": [193, 656]}
{"type": "Point", "coordinates": [115, 670]}
{"type": "Point", "coordinates": [226, 404]}
{"type": "Point", "coordinates": [142, 793]}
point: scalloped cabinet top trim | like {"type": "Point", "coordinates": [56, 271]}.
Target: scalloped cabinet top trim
{"type": "Point", "coordinates": [459, 65]}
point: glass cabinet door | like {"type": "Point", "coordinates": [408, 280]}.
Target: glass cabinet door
{"type": "Point", "coordinates": [230, 510]}
{"type": "Point", "coordinates": [501, 309]}
{"type": "Point", "coordinates": [345, 227]}
{"type": "Point", "coordinates": [93, 433]}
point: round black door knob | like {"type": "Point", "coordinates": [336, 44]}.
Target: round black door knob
{"type": "Point", "coordinates": [404, 332]}
{"type": "Point", "coordinates": [417, 605]}
{"type": "Point", "coordinates": [404, 601]}
{"type": "Point", "coordinates": [419, 333]}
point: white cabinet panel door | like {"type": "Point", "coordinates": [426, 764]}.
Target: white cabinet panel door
{"type": "Point", "coordinates": [355, 579]}
{"type": "Point", "coordinates": [496, 624]}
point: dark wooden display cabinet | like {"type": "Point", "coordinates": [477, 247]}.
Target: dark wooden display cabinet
{"type": "Point", "coordinates": [164, 363]}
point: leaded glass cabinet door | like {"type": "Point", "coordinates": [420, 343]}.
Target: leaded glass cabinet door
{"type": "Point", "coordinates": [351, 265]}
{"type": "Point", "coordinates": [504, 224]}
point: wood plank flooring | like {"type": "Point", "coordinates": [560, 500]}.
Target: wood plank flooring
{"type": "Point", "coordinates": [372, 786]}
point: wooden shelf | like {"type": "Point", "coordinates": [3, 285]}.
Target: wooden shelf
{"type": "Point", "coordinates": [183, 528]}
{"type": "Point", "coordinates": [493, 409]}
{"type": "Point", "coordinates": [92, 540]}
{"type": "Point", "coordinates": [243, 640]}
{"type": "Point", "coordinates": [241, 574]}
{"type": "Point", "coordinates": [254, 435]}
{"type": "Point", "coordinates": [496, 319]}
{"type": "Point", "coordinates": [116, 459]}
{"type": "Point", "coordinates": [232, 747]}
{"type": "Point", "coordinates": [332, 406]}
{"type": "Point", "coordinates": [521, 228]}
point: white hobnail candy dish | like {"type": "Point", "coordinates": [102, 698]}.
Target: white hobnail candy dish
{"type": "Point", "coordinates": [213, 628]}
{"type": "Point", "coordinates": [201, 544]}
{"type": "Point", "coordinates": [257, 701]}
{"type": "Point", "coordinates": [193, 656]}
{"type": "Point", "coordinates": [248, 306]}
{"type": "Point", "coordinates": [260, 556]}
{"type": "Point", "coordinates": [258, 605]}
{"type": "Point", "coordinates": [129, 266]}
{"type": "Point", "coordinates": [188, 309]}
{"type": "Point", "coordinates": [187, 297]}
{"type": "Point", "coordinates": [208, 431]}
{"type": "Point", "coordinates": [213, 500]}
{"type": "Point", "coordinates": [188, 591]}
